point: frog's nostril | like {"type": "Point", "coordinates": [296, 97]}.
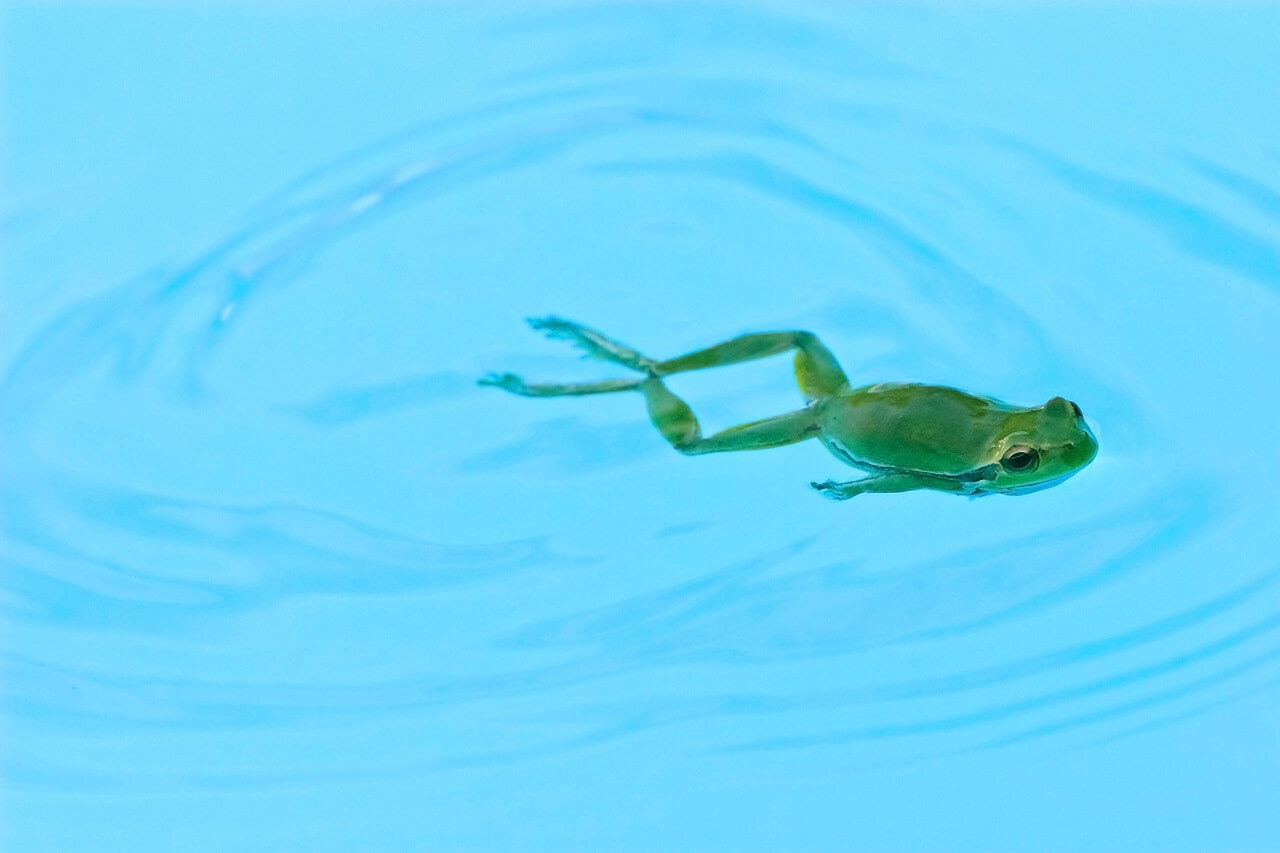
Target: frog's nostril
{"type": "Point", "coordinates": [1069, 446]}
{"type": "Point", "coordinates": [1076, 409]}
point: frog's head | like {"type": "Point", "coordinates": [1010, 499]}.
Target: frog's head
{"type": "Point", "coordinates": [1047, 444]}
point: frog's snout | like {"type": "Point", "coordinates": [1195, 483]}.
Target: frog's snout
{"type": "Point", "coordinates": [1062, 405]}
{"type": "Point", "coordinates": [1080, 451]}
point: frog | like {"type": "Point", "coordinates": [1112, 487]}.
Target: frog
{"type": "Point", "coordinates": [902, 436]}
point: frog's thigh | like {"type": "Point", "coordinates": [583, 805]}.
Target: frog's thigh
{"type": "Point", "coordinates": [817, 370]}
{"type": "Point", "coordinates": [818, 373]}
{"type": "Point", "coordinates": [777, 431]}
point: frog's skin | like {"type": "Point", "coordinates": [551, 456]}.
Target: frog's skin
{"type": "Point", "coordinates": [904, 436]}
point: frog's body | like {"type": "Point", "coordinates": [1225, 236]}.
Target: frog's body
{"type": "Point", "coordinates": [905, 436]}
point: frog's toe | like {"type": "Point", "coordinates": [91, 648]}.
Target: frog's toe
{"type": "Point", "coordinates": [552, 326]}
{"type": "Point", "coordinates": [505, 381]}
{"type": "Point", "coordinates": [595, 344]}
{"type": "Point", "coordinates": [558, 328]}
{"type": "Point", "coordinates": [831, 490]}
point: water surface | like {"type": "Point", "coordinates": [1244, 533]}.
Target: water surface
{"type": "Point", "coordinates": [277, 575]}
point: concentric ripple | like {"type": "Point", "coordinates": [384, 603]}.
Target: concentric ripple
{"type": "Point", "coordinates": [254, 495]}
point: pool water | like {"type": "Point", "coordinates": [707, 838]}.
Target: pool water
{"type": "Point", "coordinates": [277, 575]}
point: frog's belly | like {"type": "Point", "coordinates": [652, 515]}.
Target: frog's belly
{"type": "Point", "coordinates": [847, 456]}
{"type": "Point", "coordinates": [844, 454]}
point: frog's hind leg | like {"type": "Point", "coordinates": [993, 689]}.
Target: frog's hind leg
{"type": "Point", "coordinates": [679, 426]}
{"type": "Point", "coordinates": [672, 416]}
{"type": "Point", "coordinates": [817, 371]}
{"type": "Point", "coordinates": [516, 385]}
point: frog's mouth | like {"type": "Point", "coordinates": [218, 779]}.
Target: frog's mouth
{"type": "Point", "coordinates": [978, 475]}
{"type": "Point", "coordinates": [1035, 487]}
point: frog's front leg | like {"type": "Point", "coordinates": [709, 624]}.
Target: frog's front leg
{"type": "Point", "coordinates": [898, 481]}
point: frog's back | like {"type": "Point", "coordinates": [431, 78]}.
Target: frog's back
{"type": "Point", "coordinates": [929, 428]}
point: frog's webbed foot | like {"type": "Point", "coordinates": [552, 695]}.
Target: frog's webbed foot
{"type": "Point", "coordinates": [507, 382]}
{"type": "Point", "coordinates": [593, 343]}
{"type": "Point", "coordinates": [835, 491]}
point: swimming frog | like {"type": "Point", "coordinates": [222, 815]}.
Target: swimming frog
{"type": "Point", "coordinates": [904, 436]}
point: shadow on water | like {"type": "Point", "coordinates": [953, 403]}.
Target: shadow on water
{"type": "Point", "coordinates": [344, 407]}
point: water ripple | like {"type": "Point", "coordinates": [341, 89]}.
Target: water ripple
{"type": "Point", "coordinates": [1194, 229]}
{"type": "Point", "coordinates": [130, 601]}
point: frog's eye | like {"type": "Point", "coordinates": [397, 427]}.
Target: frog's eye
{"type": "Point", "coordinates": [1076, 410]}
{"type": "Point", "coordinates": [1020, 459]}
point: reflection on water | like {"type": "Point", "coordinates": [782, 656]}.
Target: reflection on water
{"type": "Point", "coordinates": [257, 494]}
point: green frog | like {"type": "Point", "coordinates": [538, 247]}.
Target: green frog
{"type": "Point", "coordinates": [903, 436]}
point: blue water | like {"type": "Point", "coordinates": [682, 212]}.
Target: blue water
{"type": "Point", "coordinates": [278, 576]}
